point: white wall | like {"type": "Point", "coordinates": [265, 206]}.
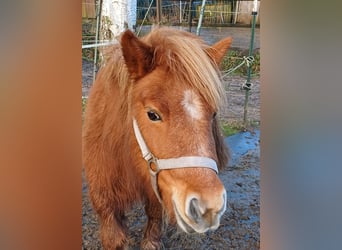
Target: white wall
{"type": "Point", "coordinates": [245, 9]}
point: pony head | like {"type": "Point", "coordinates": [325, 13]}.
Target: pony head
{"type": "Point", "coordinates": [175, 93]}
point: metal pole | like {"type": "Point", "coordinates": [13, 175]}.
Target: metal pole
{"type": "Point", "coordinates": [247, 86]}
{"type": "Point", "coordinates": [200, 18]}
{"type": "Point", "coordinates": [190, 15]}
{"type": "Point", "coordinates": [98, 14]}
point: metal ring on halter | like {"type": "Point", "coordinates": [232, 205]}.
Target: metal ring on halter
{"type": "Point", "coordinates": [154, 160]}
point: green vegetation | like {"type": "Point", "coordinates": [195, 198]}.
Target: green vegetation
{"type": "Point", "coordinates": [229, 129]}
{"type": "Point", "coordinates": [88, 54]}
{"type": "Point", "coordinates": [234, 57]}
{"type": "Point", "coordinates": [232, 128]}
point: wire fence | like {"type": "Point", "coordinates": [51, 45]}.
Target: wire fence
{"type": "Point", "coordinates": [181, 13]}
{"type": "Point", "coordinates": [178, 14]}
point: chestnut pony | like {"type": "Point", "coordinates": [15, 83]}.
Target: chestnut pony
{"type": "Point", "coordinates": [151, 135]}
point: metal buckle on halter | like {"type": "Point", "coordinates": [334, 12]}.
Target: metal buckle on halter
{"type": "Point", "coordinates": [154, 160]}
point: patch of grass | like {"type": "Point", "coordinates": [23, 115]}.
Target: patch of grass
{"type": "Point", "coordinates": [230, 60]}
{"type": "Point", "coordinates": [230, 129]}
{"type": "Point", "coordinates": [234, 57]}
{"type": "Point", "coordinates": [254, 124]}
{"type": "Point", "coordinates": [88, 54]}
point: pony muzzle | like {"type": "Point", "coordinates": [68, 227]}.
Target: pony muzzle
{"type": "Point", "coordinates": [200, 215]}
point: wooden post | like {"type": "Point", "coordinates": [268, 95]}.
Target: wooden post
{"type": "Point", "coordinates": [190, 15]}
{"type": "Point", "coordinates": [159, 11]}
{"type": "Point", "coordinates": [180, 12]}
{"type": "Point", "coordinates": [98, 6]}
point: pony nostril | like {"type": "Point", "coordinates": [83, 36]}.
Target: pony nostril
{"type": "Point", "coordinates": [194, 212]}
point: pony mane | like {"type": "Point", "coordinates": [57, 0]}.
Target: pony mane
{"type": "Point", "coordinates": [184, 55]}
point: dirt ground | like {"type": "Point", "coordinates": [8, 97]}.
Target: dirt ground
{"type": "Point", "coordinates": [240, 225]}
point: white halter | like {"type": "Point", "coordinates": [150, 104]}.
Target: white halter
{"type": "Point", "coordinates": [170, 163]}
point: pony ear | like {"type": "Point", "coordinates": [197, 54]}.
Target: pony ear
{"type": "Point", "coordinates": [219, 49]}
{"type": "Point", "coordinates": [138, 55]}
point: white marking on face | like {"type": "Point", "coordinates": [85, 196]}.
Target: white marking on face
{"type": "Point", "coordinates": [192, 105]}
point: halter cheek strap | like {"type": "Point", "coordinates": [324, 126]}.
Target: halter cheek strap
{"type": "Point", "coordinates": [170, 163]}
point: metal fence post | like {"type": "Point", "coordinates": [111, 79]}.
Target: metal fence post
{"type": "Point", "coordinates": [200, 18]}
{"type": "Point", "coordinates": [249, 69]}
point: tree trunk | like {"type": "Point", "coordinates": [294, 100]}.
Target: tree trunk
{"type": "Point", "coordinates": [116, 16]}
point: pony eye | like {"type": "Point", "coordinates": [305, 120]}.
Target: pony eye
{"type": "Point", "coordinates": [214, 115]}
{"type": "Point", "coordinates": [153, 116]}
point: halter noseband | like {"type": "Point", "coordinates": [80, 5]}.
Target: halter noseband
{"type": "Point", "coordinates": [170, 163]}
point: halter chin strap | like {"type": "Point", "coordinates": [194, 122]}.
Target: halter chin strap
{"type": "Point", "coordinates": [170, 163]}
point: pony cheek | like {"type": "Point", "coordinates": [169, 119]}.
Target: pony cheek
{"type": "Point", "coordinates": [167, 188]}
